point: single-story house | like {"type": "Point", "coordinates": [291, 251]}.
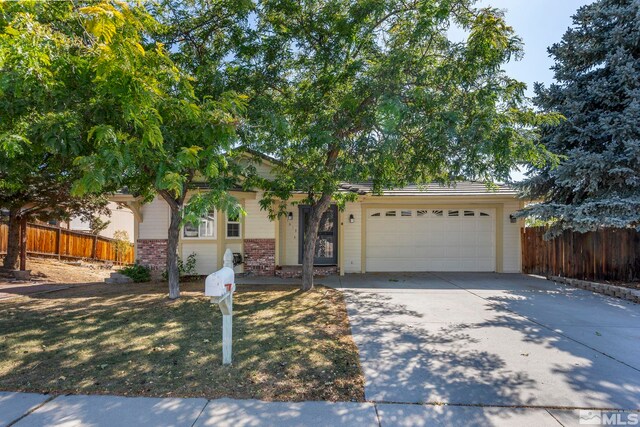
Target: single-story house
{"type": "Point", "coordinates": [466, 227]}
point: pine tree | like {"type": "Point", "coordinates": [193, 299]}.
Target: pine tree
{"type": "Point", "coordinates": [597, 90]}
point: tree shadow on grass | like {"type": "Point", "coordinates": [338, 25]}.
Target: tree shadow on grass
{"type": "Point", "coordinates": [132, 341]}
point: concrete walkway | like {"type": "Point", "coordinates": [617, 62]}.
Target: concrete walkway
{"type": "Point", "coordinates": [493, 339]}
{"type": "Point", "coordinates": [31, 410]}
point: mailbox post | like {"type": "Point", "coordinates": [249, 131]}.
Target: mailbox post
{"type": "Point", "coordinates": [220, 287]}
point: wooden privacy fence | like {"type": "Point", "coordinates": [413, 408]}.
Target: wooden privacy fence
{"type": "Point", "coordinates": [53, 241]}
{"type": "Point", "coordinates": [607, 254]}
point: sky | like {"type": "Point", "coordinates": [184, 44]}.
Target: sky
{"type": "Point", "coordinates": [540, 23]}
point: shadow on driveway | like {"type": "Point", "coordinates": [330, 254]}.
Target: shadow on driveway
{"type": "Point", "coordinates": [491, 339]}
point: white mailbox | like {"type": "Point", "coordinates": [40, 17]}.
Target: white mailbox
{"type": "Point", "coordinates": [220, 283]}
{"type": "Point", "coordinates": [220, 287]}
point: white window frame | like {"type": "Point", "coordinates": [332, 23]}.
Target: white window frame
{"type": "Point", "coordinates": [226, 228]}
{"type": "Point", "coordinates": [211, 217]}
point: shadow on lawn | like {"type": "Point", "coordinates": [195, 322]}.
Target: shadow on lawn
{"type": "Point", "coordinates": [287, 345]}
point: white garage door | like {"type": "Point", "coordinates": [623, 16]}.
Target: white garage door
{"type": "Point", "coordinates": [442, 239]}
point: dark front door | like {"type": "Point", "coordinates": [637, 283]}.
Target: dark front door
{"type": "Point", "coordinates": [327, 243]}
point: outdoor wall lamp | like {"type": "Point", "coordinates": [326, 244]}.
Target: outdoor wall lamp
{"type": "Point", "coordinates": [352, 219]}
{"type": "Point", "coordinates": [290, 216]}
{"type": "Point", "coordinates": [513, 219]}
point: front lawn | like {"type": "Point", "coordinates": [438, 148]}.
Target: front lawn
{"type": "Point", "coordinates": [130, 340]}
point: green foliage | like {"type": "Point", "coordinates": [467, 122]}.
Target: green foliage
{"type": "Point", "coordinates": [157, 134]}
{"type": "Point", "coordinates": [122, 244]}
{"type": "Point", "coordinates": [139, 273]}
{"type": "Point", "coordinates": [597, 69]}
{"type": "Point", "coordinates": [163, 124]}
{"type": "Point", "coordinates": [185, 269]}
{"type": "Point", "coordinates": [348, 91]}
{"type": "Point", "coordinates": [97, 225]}
{"type": "Point", "coordinates": [536, 222]}
{"type": "Point", "coordinates": [46, 101]}
{"type": "Point", "coordinates": [188, 268]}
{"type": "Point", "coordinates": [351, 91]}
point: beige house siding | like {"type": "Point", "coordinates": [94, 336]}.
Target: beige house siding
{"type": "Point", "coordinates": [206, 254]}
{"type": "Point", "coordinates": [209, 252]}
{"type": "Point", "coordinates": [263, 167]}
{"type": "Point", "coordinates": [257, 223]}
{"type": "Point", "coordinates": [351, 254]}
{"type": "Point", "coordinates": [291, 236]}
{"type": "Point", "coordinates": [264, 170]}
{"type": "Point", "coordinates": [121, 219]}
{"type": "Point", "coordinates": [511, 233]}
{"type": "Point", "coordinates": [352, 236]}
{"type": "Point", "coordinates": [156, 217]}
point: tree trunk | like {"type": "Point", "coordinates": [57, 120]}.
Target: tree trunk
{"type": "Point", "coordinates": [173, 275]}
{"type": "Point", "coordinates": [23, 243]}
{"type": "Point", "coordinates": [13, 244]}
{"type": "Point", "coordinates": [310, 238]}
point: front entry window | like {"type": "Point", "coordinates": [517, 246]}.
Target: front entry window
{"type": "Point", "coordinates": [327, 244]}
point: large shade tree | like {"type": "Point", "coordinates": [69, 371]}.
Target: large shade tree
{"type": "Point", "coordinates": [45, 93]}
{"type": "Point", "coordinates": [155, 133]}
{"type": "Point", "coordinates": [597, 90]}
{"type": "Point", "coordinates": [375, 90]}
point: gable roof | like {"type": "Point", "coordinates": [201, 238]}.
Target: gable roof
{"type": "Point", "coordinates": [462, 188]}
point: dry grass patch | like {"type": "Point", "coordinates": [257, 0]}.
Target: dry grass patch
{"type": "Point", "coordinates": [130, 340]}
{"type": "Point", "coordinates": [55, 271]}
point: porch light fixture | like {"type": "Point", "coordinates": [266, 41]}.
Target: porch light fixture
{"type": "Point", "coordinates": [290, 216]}
{"type": "Point", "coordinates": [513, 219]}
{"type": "Point", "coordinates": [352, 219]}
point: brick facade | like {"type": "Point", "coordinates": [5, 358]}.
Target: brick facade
{"type": "Point", "coordinates": [152, 253]}
{"type": "Point", "coordinates": [260, 256]}
{"type": "Point", "coordinates": [294, 272]}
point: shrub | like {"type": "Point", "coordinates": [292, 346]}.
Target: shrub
{"type": "Point", "coordinates": [121, 244]}
{"type": "Point", "coordinates": [187, 268]}
{"type": "Point", "coordinates": [139, 273]}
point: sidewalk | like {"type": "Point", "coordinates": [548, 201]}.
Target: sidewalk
{"type": "Point", "coordinates": [28, 409]}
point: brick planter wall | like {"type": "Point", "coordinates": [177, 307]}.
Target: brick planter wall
{"type": "Point", "coordinates": [260, 256]}
{"type": "Point", "coordinates": [153, 254]}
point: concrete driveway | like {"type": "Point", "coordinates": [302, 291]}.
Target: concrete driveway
{"type": "Point", "coordinates": [493, 339]}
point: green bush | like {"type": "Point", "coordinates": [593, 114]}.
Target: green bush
{"type": "Point", "coordinates": [187, 268]}
{"type": "Point", "coordinates": [139, 273]}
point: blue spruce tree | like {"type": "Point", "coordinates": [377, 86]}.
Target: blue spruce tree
{"type": "Point", "coordinates": [597, 90]}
